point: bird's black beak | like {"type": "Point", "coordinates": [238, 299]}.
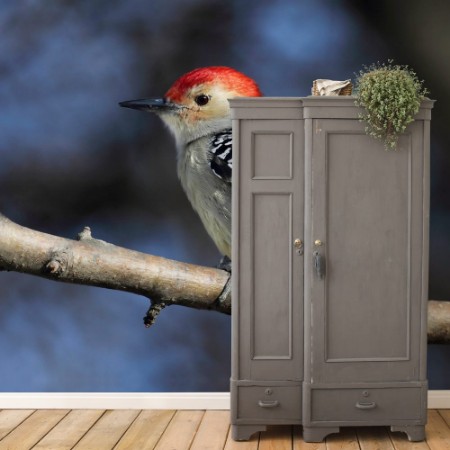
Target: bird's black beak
{"type": "Point", "coordinates": [150, 105]}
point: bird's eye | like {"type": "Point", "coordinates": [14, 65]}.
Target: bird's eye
{"type": "Point", "coordinates": [201, 100]}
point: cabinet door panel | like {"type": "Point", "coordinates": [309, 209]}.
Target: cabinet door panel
{"type": "Point", "coordinates": [270, 269]}
{"type": "Point", "coordinates": [367, 210]}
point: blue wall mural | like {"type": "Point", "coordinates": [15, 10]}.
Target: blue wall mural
{"type": "Point", "coordinates": [70, 157]}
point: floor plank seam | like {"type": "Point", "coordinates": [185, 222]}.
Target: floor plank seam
{"type": "Point", "coordinates": [18, 425]}
{"type": "Point", "coordinates": [196, 430]}
{"type": "Point", "coordinates": [443, 417]}
{"type": "Point", "coordinates": [54, 426]}
{"type": "Point", "coordinates": [48, 431]}
{"type": "Point", "coordinates": [165, 428]}
{"type": "Point", "coordinates": [126, 429]}
{"type": "Point", "coordinates": [89, 429]}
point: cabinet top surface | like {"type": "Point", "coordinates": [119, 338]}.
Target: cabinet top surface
{"type": "Point", "coordinates": [306, 107]}
{"type": "Point", "coordinates": [312, 100]}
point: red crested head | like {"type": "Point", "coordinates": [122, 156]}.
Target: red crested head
{"type": "Point", "coordinates": [236, 82]}
{"type": "Point", "coordinates": [197, 103]}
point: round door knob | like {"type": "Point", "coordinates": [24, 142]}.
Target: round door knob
{"type": "Point", "coordinates": [318, 242]}
{"type": "Point", "coordinates": [298, 243]}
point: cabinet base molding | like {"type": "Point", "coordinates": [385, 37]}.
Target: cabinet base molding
{"type": "Point", "coordinates": [244, 432]}
{"type": "Point", "coordinates": [415, 433]}
{"type": "Point", "coordinates": [318, 434]}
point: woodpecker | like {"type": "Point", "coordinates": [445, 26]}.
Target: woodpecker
{"type": "Point", "coordinates": [197, 112]}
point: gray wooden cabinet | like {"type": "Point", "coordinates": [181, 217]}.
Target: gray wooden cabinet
{"type": "Point", "coordinates": [330, 269]}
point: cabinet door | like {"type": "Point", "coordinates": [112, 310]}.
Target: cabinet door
{"type": "Point", "coordinates": [364, 280]}
{"type": "Point", "coordinates": [269, 266]}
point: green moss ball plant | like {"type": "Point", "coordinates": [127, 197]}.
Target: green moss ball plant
{"type": "Point", "coordinates": [391, 96]}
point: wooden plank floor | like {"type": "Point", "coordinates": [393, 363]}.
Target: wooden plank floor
{"type": "Point", "coordinates": [195, 430]}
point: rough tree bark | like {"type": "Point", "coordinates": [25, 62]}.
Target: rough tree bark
{"type": "Point", "coordinates": [95, 262]}
{"type": "Point", "coordinates": [165, 282]}
{"type": "Point", "coordinates": [438, 322]}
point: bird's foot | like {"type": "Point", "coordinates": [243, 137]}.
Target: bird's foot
{"type": "Point", "coordinates": [225, 264]}
{"type": "Point", "coordinates": [224, 299]}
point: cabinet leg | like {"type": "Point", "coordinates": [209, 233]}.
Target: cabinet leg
{"type": "Point", "coordinates": [317, 434]}
{"type": "Point", "coordinates": [415, 433]}
{"type": "Point", "coordinates": [243, 432]}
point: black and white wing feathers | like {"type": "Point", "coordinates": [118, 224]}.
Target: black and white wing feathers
{"type": "Point", "coordinates": [221, 161]}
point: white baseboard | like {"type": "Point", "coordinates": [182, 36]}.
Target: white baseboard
{"type": "Point", "coordinates": [115, 400]}
{"type": "Point", "coordinates": [438, 399]}
{"type": "Point", "coordinates": [161, 400]}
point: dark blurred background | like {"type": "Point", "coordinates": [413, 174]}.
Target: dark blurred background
{"type": "Point", "coordinates": [71, 157]}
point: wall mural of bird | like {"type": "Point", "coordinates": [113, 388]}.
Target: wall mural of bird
{"type": "Point", "coordinates": [197, 112]}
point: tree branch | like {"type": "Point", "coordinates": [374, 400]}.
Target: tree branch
{"type": "Point", "coordinates": [438, 322]}
{"type": "Point", "coordinates": [166, 282]}
{"type": "Point", "coordinates": [94, 262]}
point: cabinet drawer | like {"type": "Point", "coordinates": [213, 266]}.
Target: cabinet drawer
{"type": "Point", "coordinates": [270, 403]}
{"type": "Point", "coordinates": [366, 405]}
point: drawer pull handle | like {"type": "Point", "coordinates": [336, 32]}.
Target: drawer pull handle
{"type": "Point", "coordinates": [268, 404]}
{"type": "Point", "coordinates": [366, 405]}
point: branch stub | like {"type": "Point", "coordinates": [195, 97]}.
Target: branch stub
{"type": "Point", "coordinates": [84, 234]}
